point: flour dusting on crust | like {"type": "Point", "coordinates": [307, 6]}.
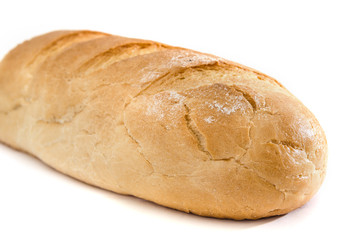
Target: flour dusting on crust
{"type": "Point", "coordinates": [165, 105]}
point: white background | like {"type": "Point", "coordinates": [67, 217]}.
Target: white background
{"type": "Point", "coordinates": [314, 48]}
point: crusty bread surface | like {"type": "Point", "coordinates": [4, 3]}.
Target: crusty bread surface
{"type": "Point", "coordinates": [183, 129]}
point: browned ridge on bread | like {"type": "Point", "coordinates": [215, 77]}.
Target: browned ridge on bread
{"type": "Point", "coordinates": [183, 129]}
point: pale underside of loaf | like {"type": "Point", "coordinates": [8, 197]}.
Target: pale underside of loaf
{"type": "Point", "coordinates": [184, 129]}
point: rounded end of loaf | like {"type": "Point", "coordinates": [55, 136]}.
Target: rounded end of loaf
{"type": "Point", "coordinates": [228, 151]}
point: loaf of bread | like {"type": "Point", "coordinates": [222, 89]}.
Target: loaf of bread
{"type": "Point", "coordinates": [183, 129]}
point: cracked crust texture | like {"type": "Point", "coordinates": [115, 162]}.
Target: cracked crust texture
{"type": "Point", "coordinates": [183, 129]}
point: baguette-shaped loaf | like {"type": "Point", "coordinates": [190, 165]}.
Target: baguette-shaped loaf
{"type": "Point", "coordinates": [180, 128]}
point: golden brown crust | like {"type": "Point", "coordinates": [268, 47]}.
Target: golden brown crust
{"type": "Point", "coordinates": [184, 129]}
